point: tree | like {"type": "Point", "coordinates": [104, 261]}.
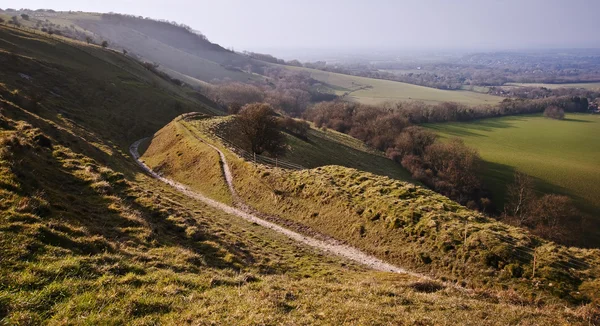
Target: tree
{"type": "Point", "coordinates": [555, 217]}
{"type": "Point", "coordinates": [455, 167]}
{"type": "Point", "coordinates": [104, 44]}
{"type": "Point", "coordinates": [124, 52]}
{"type": "Point", "coordinates": [520, 198]}
{"type": "Point", "coordinates": [554, 112]}
{"type": "Point", "coordinates": [25, 16]}
{"type": "Point", "coordinates": [259, 127]}
{"type": "Point", "coordinates": [412, 141]}
{"type": "Point", "coordinates": [89, 40]}
{"type": "Point", "coordinates": [1, 20]}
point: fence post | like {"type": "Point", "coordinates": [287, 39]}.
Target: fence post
{"type": "Point", "coordinates": [254, 157]}
{"type": "Point", "coordinates": [466, 229]}
{"type": "Point", "coordinates": [534, 263]}
{"type": "Point", "coordinates": [276, 161]}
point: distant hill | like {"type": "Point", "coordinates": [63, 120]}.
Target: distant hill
{"type": "Point", "coordinates": [173, 46]}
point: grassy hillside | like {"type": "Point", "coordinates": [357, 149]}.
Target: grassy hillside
{"type": "Point", "coordinates": [88, 239]}
{"type": "Point", "coordinates": [375, 91]}
{"type": "Point", "coordinates": [322, 147]}
{"type": "Point", "coordinates": [88, 87]}
{"type": "Point", "coordinates": [411, 226]}
{"type": "Point", "coordinates": [173, 47]}
{"type": "Point", "coordinates": [562, 155]}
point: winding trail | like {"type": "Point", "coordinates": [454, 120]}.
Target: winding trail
{"type": "Point", "coordinates": [330, 246]}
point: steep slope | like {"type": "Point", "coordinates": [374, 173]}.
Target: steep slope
{"type": "Point", "coordinates": [86, 238]}
{"type": "Point", "coordinates": [174, 47]}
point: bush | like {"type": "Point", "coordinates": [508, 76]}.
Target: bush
{"type": "Point", "coordinates": [554, 112]}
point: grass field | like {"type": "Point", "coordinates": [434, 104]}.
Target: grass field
{"type": "Point", "coordinates": [564, 156]}
{"type": "Point", "coordinates": [590, 86]}
{"type": "Point", "coordinates": [375, 91]}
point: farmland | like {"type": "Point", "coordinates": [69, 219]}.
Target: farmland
{"type": "Point", "coordinates": [562, 156]}
{"type": "Point", "coordinates": [376, 91]}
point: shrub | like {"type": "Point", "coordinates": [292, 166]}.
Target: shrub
{"type": "Point", "coordinates": [554, 112]}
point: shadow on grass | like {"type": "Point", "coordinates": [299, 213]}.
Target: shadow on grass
{"type": "Point", "coordinates": [471, 128]}
{"type": "Point", "coordinates": [76, 205]}
{"type": "Point", "coordinates": [577, 120]}
{"type": "Point", "coordinates": [497, 177]}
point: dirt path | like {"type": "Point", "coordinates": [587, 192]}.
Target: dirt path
{"type": "Point", "coordinates": [330, 246]}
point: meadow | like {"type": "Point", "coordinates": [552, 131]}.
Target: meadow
{"type": "Point", "coordinates": [376, 91]}
{"type": "Point", "coordinates": [563, 156]}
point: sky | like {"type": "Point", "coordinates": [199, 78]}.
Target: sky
{"type": "Point", "coordinates": [258, 25]}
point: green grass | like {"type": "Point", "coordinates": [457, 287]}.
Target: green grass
{"type": "Point", "coordinates": [376, 91]}
{"type": "Point", "coordinates": [563, 156]}
{"type": "Point", "coordinates": [590, 86]}
{"type": "Point", "coordinates": [409, 226]}
{"type": "Point", "coordinates": [322, 147]}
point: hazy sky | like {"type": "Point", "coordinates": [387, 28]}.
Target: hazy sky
{"type": "Point", "coordinates": [361, 24]}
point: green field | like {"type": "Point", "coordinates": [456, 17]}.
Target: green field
{"type": "Point", "coordinates": [376, 91]}
{"type": "Point", "coordinates": [590, 86]}
{"type": "Point", "coordinates": [563, 156]}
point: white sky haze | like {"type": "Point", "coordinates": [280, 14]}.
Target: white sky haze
{"type": "Point", "coordinates": [353, 24]}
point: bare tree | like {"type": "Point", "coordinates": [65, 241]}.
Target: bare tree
{"type": "Point", "coordinates": [259, 126]}
{"type": "Point", "coordinates": [104, 44]}
{"type": "Point", "coordinates": [555, 217]}
{"type": "Point", "coordinates": [520, 198]}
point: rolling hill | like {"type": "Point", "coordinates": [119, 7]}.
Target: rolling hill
{"type": "Point", "coordinates": [87, 237]}
{"type": "Point", "coordinates": [172, 46]}
{"type": "Point", "coordinates": [393, 220]}
{"type": "Point", "coordinates": [376, 91]}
